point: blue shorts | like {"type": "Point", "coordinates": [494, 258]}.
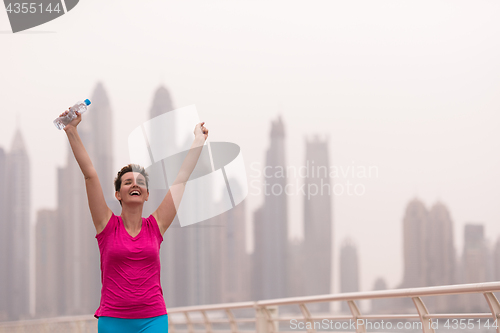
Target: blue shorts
{"type": "Point", "coordinates": [157, 324]}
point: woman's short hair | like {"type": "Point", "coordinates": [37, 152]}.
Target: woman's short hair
{"type": "Point", "coordinates": [130, 168]}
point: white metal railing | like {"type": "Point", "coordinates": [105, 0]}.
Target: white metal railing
{"type": "Point", "coordinates": [266, 312]}
{"type": "Point", "coordinates": [73, 324]}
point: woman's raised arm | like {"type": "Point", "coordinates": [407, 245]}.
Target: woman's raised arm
{"type": "Point", "coordinates": [165, 213]}
{"type": "Point", "coordinates": [98, 208]}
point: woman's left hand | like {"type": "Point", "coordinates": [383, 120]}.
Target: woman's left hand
{"type": "Point", "coordinates": [201, 130]}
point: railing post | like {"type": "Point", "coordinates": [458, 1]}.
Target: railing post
{"type": "Point", "coordinates": [232, 322]}
{"type": "Point", "coordinates": [307, 317]}
{"type": "Point", "coordinates": [263, 321]}
{"type": "Point", "coordinates": [260, 320]}
{"type": "Point", "coordinates": [272, 312]}
{"type": "Point", "coordinates": [356, 313]}
{"type": "Point", "coordinates": [208, 324]}
{"type": "Point", "coordinates": [189, 323]}
{"type": "Point", "coordinates": [494, 307]}
{"type": "Point", "coordinates": [422, 312]}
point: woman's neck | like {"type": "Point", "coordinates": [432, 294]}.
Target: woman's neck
{"type": "Point", "coordinates": [132, 217]}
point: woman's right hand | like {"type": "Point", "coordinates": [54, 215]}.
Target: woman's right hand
{"type": "Point", "coordinates": [74, 122]}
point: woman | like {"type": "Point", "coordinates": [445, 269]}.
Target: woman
{"type": "Point", "coordinates": [131, 296]}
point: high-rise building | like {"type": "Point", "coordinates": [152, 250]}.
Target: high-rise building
{"type": "Point", "coordinates": [4, 237]}
{"type": "Point", "coordinates": [234, 272]}
{"type": "Point", "coordinates": [441, 261]}
{"type": "Point", "coordinates": [476, 264]}
{"type": "Point", "coordinates": [317, 222]}
{"type": "Point", "coordinates": [18, 209]}
{"type": "Point", "coordinates": [257, 257]}
{"type": "Point", "coordinates": [415, 254]}
{"type": "Point", "coordinates": [46, 264]}
{"type": "Point", "coordinates": [74, 222]}
{"type": "Point", "coordinates": [162, 102]}
{"type": "Point", "coordinates": [226, 275]}
{"type": "Point", "coordinates": [272, 225]}
{"type": "Point", "coordinates": [429, 251]}
{"type": "Point", "coordinates": [496, 260]}
{"type": "Point", "coordinates": [441, 251]}
{"type": "Point", "coordinates": [349, 270]}
{"type": "Point", "coordinates": [296, 269]}
{"type": "Point", "coordinates": [415, 243]}
{"type": "Point", "coordinates": [217, 282]}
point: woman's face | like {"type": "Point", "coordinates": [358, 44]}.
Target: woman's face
{"type": "Point", "coordinates": [133, 189]}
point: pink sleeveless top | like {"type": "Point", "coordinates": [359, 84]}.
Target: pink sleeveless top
{"type": "Point", "coordinates": [130, 271]}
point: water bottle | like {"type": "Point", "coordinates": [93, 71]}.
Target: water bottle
{"type": "Point", "coordinates": [81, 107]}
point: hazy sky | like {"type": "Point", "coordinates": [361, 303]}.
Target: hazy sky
{"type": "Point", "coordinates": [408, 86]}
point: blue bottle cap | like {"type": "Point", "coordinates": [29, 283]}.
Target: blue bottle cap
{"type": "Point", "coordinates": [87, 101]}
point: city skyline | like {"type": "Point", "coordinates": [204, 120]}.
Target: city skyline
{"type": "Point", "coordinates": [411, 89]}
{"type": "Point", "coordinates": [437, 219]}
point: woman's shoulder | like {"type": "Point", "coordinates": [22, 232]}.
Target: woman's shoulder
{"type": "Point", "coordinates": [153, 224]}
{"type": "Point", "coordinates": [110, 224]}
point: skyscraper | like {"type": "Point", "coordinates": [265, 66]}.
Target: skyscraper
{"type": "Point", "coordinates": [4, 237]}
{"type": "Point", "coordinates": [272, 225]}
{"type": "Point", "coordinates": [296, 269]}
{"type": "Point", "coordinates": [475, 265]}
{"type": "Point", "coordinates": [415, 254]}
{"type": "Point", "coordinates": [429, 251]}
{"type": "Point", "coordinates": [257, 257]}
{"type": "Point", "coordinates": [349, 270]}
{"type": "Point", "coordinates": [46, 264]}
{"type": "Point", "coordinates": [415, 242]}
{"type": "Point", "coordinates": [18, 210]}
{"type": "Point", "coordinates": [441, 251]}
{"type": "Point", "coordinates": [74, 223]}
{"type": "Point", "coordinates": [162, 102]}
{"type": "Point", "coordinates": [496, 260]}
{"type": "Point", "coordinates": [234, 272]}
{"type": "Point", "coordinates": [226, 275]}
{"type": "Point", "coordinates": [441, 261]}
{"type": "Point", "coordinates": [317, 222]}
